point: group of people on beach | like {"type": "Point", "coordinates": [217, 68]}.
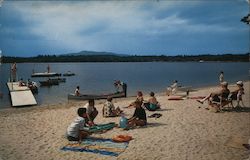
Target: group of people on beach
{"type": "Point", "coordinates": [223, 96]}
{"type": "Point", "coordinates": [88, 113]}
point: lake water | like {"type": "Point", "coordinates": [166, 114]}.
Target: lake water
{"type": "Point", "coordinates": [145, 76]}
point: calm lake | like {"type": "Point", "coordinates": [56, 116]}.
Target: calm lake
{"type": "Point", "coordinates": [99, 77]}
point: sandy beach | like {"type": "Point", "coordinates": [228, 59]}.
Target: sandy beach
{"type": "Point", "coordinates": [186, 131]}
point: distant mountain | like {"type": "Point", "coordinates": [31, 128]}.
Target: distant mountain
{"type": "Point", "coordinates": [93, 53]}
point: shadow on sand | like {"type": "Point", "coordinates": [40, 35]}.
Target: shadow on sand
{"type": "Point", "coordinates": [163, 109]}
{"type": "Point", "coordinates": [149, 125]}
{"type": "Point", "coordinates": [237, 109]}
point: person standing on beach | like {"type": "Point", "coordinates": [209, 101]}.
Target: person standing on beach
{"type": "Point", "coordinates": [221, 77]}
{"type": "Point", "coordinates": [75, 131]}
{"type": "Point", "coordinates": [91, 111]}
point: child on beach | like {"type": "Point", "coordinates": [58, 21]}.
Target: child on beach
{"type": "Point", "coordinates": [109, 109]}
{"type": "Point", "coordinates": [75, 131]}
{"type": "Point", "coordinates": [91, 111]}
{"type": "Point", "coordinates": [237, 94]}
{"type": "Point", "coordinates": [139, 117]}
{"type": "Point", "coordinates": [152, 103]}
{"type": "Point", "coordinates": [139, 99]}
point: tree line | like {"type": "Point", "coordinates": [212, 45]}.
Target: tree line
{"type": "Point", "coordinates": [132, 58]}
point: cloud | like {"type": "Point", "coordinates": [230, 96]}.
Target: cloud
{"type": "Point", "coordinates": [95, 25]}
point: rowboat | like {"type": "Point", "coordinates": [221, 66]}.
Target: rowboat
{"type": "Point", "coordinates": [49, 82]}
{"type": "Point", "coordinates": [59, 79]}
{"type": "Point", "coordinates": [95, 96]}
{"type": "Point", "coordinates": [69, 74]}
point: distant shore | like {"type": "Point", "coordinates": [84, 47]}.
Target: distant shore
{"type": "Point", "coordinates": [105, 57]}
{"type": "Point", "coordinates": [186, 130]}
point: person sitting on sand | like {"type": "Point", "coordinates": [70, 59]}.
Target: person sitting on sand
{"type": "Point", "coordinates": [139, 98]}
{"type": "Point", "coordinates": [77, 91]}
{"type": "Point", "coordinates": [215, 96]}
{"type": "Point", "coordinates": [152, 103]}
{"type": "Point", "coordinates": [237, 94]}
{"type": "Point", "coordinates": [139, 117]}
{"type": "Point", "coordinates": [75, 131]}
{"type": "Point", "coordinates": [173, 88]}
{"type": "Point", "coordinates": [91, 111]}
{"type": "Point", "coordinates": [109, 109]}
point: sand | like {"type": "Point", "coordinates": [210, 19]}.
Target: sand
{"type": "Point", "coordinates": [186, 131]}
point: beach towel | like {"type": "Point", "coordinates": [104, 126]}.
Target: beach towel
{"type": "Point", "coordinates": [100, 127]}
{"type": "Point", "coordinates": [97, 146]}
{"type": "Point", "coordinates": [175, 98]}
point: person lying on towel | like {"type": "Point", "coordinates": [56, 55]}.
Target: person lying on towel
{"type": "Point", "coordinates": [109, 109]}
{"type": "Point", "coordinates": [139, 118]}
{"type": "Point", "coordinates": [75, 131]}
{"type": "Point", "coordinates": [152, 104]}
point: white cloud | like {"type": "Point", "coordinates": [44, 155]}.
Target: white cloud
{"type": "Point", "coordinates": [89, 25]}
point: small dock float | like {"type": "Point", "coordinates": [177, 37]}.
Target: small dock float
{"type": "Point", "coordinates": [20, 95]}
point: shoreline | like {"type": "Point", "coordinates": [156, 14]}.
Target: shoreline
{"type": "Point", "coordinates": [75, 102]}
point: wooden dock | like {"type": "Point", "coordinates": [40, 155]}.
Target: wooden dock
{"type": "Point", "coordinates": [20, 95]}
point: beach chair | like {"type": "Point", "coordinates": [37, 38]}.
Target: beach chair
{"type": "Point", "coordinates": [225, 100]}
{"type": "Point", "coordinates": [238, 98]}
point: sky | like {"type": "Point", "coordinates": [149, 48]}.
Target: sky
{"type": "Point", "coordinates": [150, 27]}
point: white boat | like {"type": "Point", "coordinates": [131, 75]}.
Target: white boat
{"type": "Point", "coordinates": [46, 74]}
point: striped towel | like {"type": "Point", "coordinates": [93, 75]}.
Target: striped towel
{"type": "Point", "coordinates": [98, 146]}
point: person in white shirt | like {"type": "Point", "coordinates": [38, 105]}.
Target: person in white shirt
{"type": "Point", "coordinates": [91, 111]}
{"type": "Point", "coordinates": [77, 91]}
{"type": "Point", "coordinates": [173, 88]}
{"type": "Point", "coordinates": [75, 131]}
{"type": "Point", "coordinates": [221, 77]}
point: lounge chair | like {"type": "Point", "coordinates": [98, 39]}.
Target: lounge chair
{"type": "Point", "coordinates": [224, 100]}
{"type": "Point", "coordinates": [238, 98]}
